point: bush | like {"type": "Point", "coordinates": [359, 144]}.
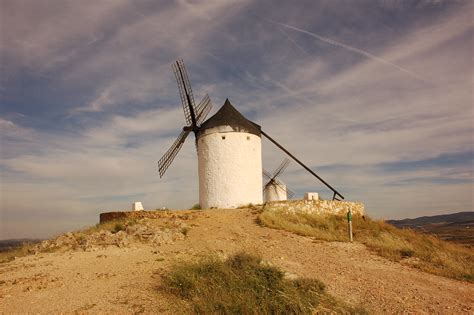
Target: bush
{"type": "Point", "coordinates": [196, 206]}
{"type": "Point", "coordinates": [118, 227]}
{"type": "Point", "coordinates": [243, 284]}
{"type": "Point", "coordinates": [113, 226]}
{"type": "Point", "coordinates": [18, 251]}
{"type": "Point", "coordinates": [185, 230]}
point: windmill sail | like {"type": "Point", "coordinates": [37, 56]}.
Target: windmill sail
{"type": "Point", "coordinates": [274, 184]}
{"type": "Point", "coordinates": [185, 92]}
{"type": "Point", "coordinates": [284, 188]}
{"type": "Point", "coordinates": [203, 109]}
{"type": "Point", "coordinates": [281, 168]}
{"type": "Point", "coordinates": [169, 156]}
{"type": "Point", "coordinates": [267, 175]}
{"type": "Point", "coordinates": [194, 115]}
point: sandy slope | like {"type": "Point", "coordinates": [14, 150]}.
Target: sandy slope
{"type": "Point", "coordinates": [126, 280]}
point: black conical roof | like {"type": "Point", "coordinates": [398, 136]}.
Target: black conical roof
{"type": "Point", "coordinates": [227, 115]}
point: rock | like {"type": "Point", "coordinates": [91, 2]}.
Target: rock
{"type": "Point", "coordinates": [142, 231]}
{"type": "Point", "coordinates": [290, 276]}
{"type": "Point", "coordinates": [131, 229]}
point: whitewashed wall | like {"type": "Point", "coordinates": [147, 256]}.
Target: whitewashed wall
{"type": "Point", "coordinates": [275, 193]}
{"type": "Point", "coordinates": [230, 169]}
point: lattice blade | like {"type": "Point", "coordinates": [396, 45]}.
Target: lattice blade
{"type": "Point", "coordinates": [203, 109]}
{"type": "Point", "coordinates": [289, 193]}
{"type": "Point", "coordinates": [266, 175]}
{"type": "Point", "coordinates": [270, 182]}
{"type": "Point", "coordinates": [282, 187]}
{"type": "Point", "coordinates": [169, 156]}
{"type": "Point", "coordinates": [281, 168]}
{"type": "Point", "coordinates": [185, 92]}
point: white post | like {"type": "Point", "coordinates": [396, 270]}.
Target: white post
{"type": "Point", "coordinates": [349, 221]}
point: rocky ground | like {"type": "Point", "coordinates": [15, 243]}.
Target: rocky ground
{"type": "Point", "coordinates": [165, 229]}
{"type": "Point", "coordinates": [120, 272]}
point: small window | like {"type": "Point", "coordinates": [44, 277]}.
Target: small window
{"type": "Point", "coordinates": [223, 137]}
{"type": "Point", "coordinates": [248, 137]}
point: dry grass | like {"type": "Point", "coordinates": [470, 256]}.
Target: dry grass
{"type": "Point", "coordinates": [113, 226]}
{"type": "Point", "coordinates": [425, 252]}
{"type": "Point", "coordinates": [243, 284]}
{"type": "Point", "coordinates": [20, 251]}
{"type": "Point", "coordinates": [27, 249]}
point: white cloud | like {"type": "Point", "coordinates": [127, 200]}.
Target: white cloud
{"type": "Point", "coordinates": [359, 116]}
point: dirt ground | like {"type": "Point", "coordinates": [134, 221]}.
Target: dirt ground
{"type": "Point", "coordinates": [127, 280]}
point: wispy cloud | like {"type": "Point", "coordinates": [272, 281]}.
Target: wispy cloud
{"type": "Point", "coordinates": [91, 131]}
{"type": "Point", "coordinates": [353, 49]}
{"type": "Point", "coordinates": [293, 41]}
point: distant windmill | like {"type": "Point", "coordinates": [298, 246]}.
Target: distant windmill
{"type": "Point", "coordinates": [229, 149]}
{"type": "Point", "coordinates": [275, 189]}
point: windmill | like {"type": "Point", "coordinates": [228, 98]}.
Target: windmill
{"type": "Point", "coordinates": [275, 189]}
{"type": "Point", "coordinates": [194, 115]}
{"type": "Point", "coordinates": [229, 150]}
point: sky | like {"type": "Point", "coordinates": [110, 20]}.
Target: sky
{"type": "Point", "coordinates": [375, 96]}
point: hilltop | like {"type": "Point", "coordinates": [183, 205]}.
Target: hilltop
{"type": "Point", "coordinates": [120, 267]}
{"type": "Point", "coordinates": [9, 244]}
{"type": "Point", "coordinates": [459, 217]}
{"type": "Point", "coordinates": [456, 227]}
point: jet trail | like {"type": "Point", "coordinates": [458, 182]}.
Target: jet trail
{"type": "Point", "coordinates": [292, 41]}
{"type": "Point", "coordinates": [350, 48]}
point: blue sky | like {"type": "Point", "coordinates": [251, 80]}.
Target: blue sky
{"type": "Point", "coordinates": [376, 96]}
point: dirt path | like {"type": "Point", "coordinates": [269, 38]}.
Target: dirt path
{"type": "Point", "coordinates": [125, 280]}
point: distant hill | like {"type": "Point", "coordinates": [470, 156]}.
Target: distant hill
{"type": "Point", "coordinates": [456, 227]}
{"type": "Point", "coordinates": [12, 243]}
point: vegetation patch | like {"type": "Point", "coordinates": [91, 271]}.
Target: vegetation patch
{"type": "Point", "coordinates": [118, 227]}
{"type": "Point", "coordinates": [196, 206]}
{"type": "Point", "coordinates": [113, 226]}
{"type": "Point", "coordinates": [79, 236]}
{"type": "Point", "coordinates": [18, 251]}
{"type": "Point", "coordinates": [426, 252]}
{"type": "Point", "coordinates": [243, 284]}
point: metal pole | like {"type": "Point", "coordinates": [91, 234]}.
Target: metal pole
{"type": "Point", "coordinates": [349, 222]}
{"type": "Point", "coordinates": [301, 163]}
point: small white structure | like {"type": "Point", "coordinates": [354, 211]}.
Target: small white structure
{"type": "Point", "coordinates": [275, 192]}
{"type": "Point", "coordinates": [137, 206]}
{"type": "Point", "coordinates": [311, 196]}
{"type": "Point", "coordinates": [229, 160]}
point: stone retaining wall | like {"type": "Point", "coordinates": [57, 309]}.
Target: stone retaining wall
{"type": "Point", "coordinates": [155, 214]}
{"type": "Point", "coordinates": [317, 206]}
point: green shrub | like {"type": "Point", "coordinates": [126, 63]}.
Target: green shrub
{"type": "Point", "coordinates": [18, 251]}
{"type": "Point", "coordinates": [185, 230]}
{"type": "Point", "coordinates": [113, 226]}
{"type": "Point", "coordinates": [118, 227]}
{"type": "Point", "coordinates": [196, 206]}
{"type": "Point", "coordinates": [406, 252]}
{"type": "Point", "coordinates": [243, 284]}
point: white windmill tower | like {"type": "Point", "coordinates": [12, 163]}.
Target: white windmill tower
{"type": "Point", "coordinates": [229, 160]}
{"type": "Point", "coordinates": [275, 189]}
{"type": "Point", "coordinates": [229, 149]}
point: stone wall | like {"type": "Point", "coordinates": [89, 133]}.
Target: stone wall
{"type": "Point", "coordinates": [119, 215]}
{"type": "Point", "coordinates": [317, 206]}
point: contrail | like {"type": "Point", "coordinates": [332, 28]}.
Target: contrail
{"type": "Point", "coordinates": [292, 41]}
{"type": "Point", "coordinates": [350, 48]}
